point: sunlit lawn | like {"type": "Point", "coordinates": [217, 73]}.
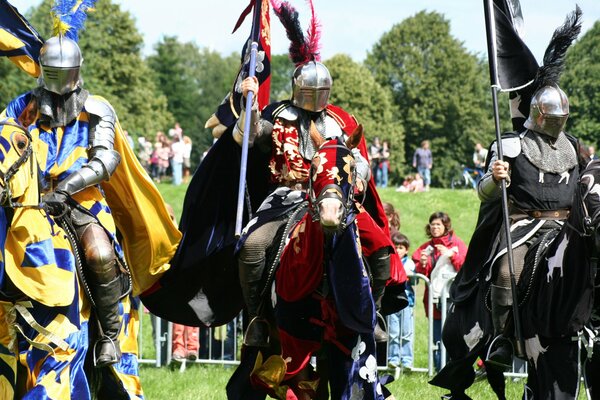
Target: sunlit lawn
{"type": "Point", "coordinates": [208, 381]}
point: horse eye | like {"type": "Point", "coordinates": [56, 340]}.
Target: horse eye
{"type": "Point", "coordinates": [20, 141]}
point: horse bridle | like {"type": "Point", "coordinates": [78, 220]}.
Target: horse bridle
{"type": "Point", "coordinates": [5, 177]}
{"type": "Point", "coordinates": [589, 221]}
{"type": "Point", "coordinates": [326, 192]}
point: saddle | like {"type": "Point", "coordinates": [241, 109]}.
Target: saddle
{"type": "Point", "coordinates": [535, 255]}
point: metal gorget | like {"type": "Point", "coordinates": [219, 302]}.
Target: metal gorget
{"type": "Point", "coordinates": [59, 110]}
{"type": "Point", "coordinates": [306, 147]}
{"type": "Point", "coordinates": [557, 158]}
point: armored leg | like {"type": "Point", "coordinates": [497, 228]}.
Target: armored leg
{"type": "Point", "coordinates": [105, 287]}
{"type": "Point", "coordinates": [251, 268]}
{"type": "Point", "coordinates": [501, 350]}
{"type": "Point", "coordinates": [379, 264]}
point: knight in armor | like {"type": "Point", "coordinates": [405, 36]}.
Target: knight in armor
{"type": "Point", "coordinates": [64, 112]}
{"type": "Point", "coordinates": [284, 129]}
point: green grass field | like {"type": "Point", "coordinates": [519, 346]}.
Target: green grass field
{"type": "Point", "coordinates": [208, 381]}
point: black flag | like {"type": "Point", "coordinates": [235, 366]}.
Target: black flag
{"type": "Point", "coordinates": [512, 65]}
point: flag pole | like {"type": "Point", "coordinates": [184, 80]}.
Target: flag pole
{"type": "Point", "coordinates": [249, 100]}
{"type": "Point", "coordinates": [495, 87]}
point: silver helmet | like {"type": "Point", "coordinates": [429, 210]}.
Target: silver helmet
{"type": "Point", "coordinates": [311, 86]}
{"type": "Point", "coordinates": [549, 111]}
{"type": "Point", "coordinates": [60, 58]}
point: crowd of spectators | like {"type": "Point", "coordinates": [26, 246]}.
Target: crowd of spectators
{"type": "Point", "coordinates": [167, 157]}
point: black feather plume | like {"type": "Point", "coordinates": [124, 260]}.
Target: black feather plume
{"type": "Point", "coordinates": [554, 57]}
{"type": "Point", "coordinates": [288, 16]}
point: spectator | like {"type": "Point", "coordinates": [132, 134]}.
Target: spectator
{"type": "Point", "coordinates": [129, 139]}
{"type": "Point", "coordinates": [163, 152]}
{"type": "Point", "coordinates": [406, 184]}
{"type": "Point", "coordinates": [417, 184]}
{"type": "Point", "coordinates": [592, 152]}
{"type": "Point", "coordinates": [401, 324]}
{"type": "Point", "coordinates": [187, 153]}
{"type": "Point", "coordinates": [479, 157]}
{"type": "Point", "coordinates": [443, 252]}
{"type": "Point", "coordinates": [145, 153]}
{"type": "Point", "coordinates": [392, 216]}
{"type": "Point", "coordinates": [176, 131]}
{"type": "Point", "coordinates": [423, 162]}
{"type": "Point", "coordinates": [177, 151]}
{"type": "Point", "coordinates": [221, 345]}
{"type": "Point", "coordinates": [375, 155]}
{"type": "Point", "coordinates": [384, 164]}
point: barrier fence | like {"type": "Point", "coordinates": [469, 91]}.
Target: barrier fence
{"type": "Point", "coordinates": [220, 345]}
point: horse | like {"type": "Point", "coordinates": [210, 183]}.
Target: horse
{"type": "Point", "coordinates": [556, 302]}
{"type": "Point", "coordinates": [47, 319]}
{"type": "Point", "coordinates": [321, 299]}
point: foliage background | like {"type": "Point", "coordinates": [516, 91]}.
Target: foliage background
{"type": "Point", "coordinates": [417, 82]}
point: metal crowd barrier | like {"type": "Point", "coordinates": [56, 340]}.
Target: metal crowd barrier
{"type": "Point", "coordinates": [214, 351]}
{"type": "Point", "coordinates": [519, 369]}
{"type": "Point", "coordinates": [162, 338]}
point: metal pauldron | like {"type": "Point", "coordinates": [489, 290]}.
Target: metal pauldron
{"type": "Point", "coordinates": [102, 123]}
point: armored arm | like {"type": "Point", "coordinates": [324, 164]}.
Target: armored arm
{"type": "Point", "coordinates": [363, 169]}
{"type": "Point", "coordinates": [259, 128]}
{"type": "Point", "coordinates": [102, 158]}
{"type": "Point", "coordinates": [488, 188]}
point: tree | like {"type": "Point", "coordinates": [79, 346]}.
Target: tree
{"type": "Point", "coordinates": [441, 91]}
{"type": "Point", "coordinates": [113, 66]}
{"type": "Point", "coordinates": [194, 81]}
{"type": "Point", "coordinates": [581, 82]}
{"type": "Point", "coordinates": [355, 90]}
{"type": "Point", "coordinates": [281, 77]}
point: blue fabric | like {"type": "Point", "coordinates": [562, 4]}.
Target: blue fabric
{"type": "Point", "coordinates": [17, 26]}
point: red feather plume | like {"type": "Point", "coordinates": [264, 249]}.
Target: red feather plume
{"type": "Point", "coordinates": [302, 49]}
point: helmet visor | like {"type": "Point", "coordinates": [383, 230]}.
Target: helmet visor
{"type": "Point", "coordinates": [311, 99]}
{"type": "Point", "coordinates": [60, 80]}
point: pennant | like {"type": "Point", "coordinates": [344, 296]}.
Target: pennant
{"type": "Point", "coordinates": [512, 65]}
{"type": "Point", "coordinates": [19, 41]}
{"type": "Point", "coordinates": [515, 65]}
{"type": "Point", "coordinates": [229, 110]}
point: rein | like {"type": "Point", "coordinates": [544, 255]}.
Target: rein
{"type": "Point", "coordinates": [588, 228]}
{"type": "Point", "coordinates": [5, 194]}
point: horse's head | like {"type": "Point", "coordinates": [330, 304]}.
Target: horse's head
{"type": "Point", "coordinates": [589, 190]}
{"type": "Point", "coordinates": [15, 151]}
{"type": "Point", "coordinates": [332, 182]}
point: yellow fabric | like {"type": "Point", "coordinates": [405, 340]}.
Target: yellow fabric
{"type": "Point", "coordinates": [48, 284]}
{"type": "Point", "coordinates": [27, 64]}
{"type": "Point", "coordinates": [270, 374]}
{"type": "Point", "coordinates": [8, 41]}
{"type": "Point", "coordinates": [149, 237]}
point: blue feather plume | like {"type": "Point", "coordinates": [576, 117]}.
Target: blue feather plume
{"type": "Point", "coordinates": [70, 16]}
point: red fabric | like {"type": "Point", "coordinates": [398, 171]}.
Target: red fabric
{"type": "Point", "coordinates": [298, 350]}
{"type": "Point", "coordinates": [458, 259]}
{"type": "Point", "coordinates": [300, 271]}
{"type": "Point", "coordinates": [372, 236]}
{"type": "Point", "coordinates": [348, 124]}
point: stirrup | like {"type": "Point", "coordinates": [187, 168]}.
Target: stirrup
{"type": "Point", "coordinates": [380, 331]}
{"type": "Point", "coordinates": [502, 343]}
{"type": "Point", "coordinates": [257, 333]}
{"type": "Point", "coordinates": [114, 356]}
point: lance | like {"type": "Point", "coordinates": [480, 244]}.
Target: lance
{"type": "Point", "coordinates": [495, 87]}
{"type": "Point", "coordinates": [249, 100]}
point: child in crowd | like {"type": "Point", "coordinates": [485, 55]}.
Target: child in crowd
{"type": "Point", "coordinates": [401, 324]}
